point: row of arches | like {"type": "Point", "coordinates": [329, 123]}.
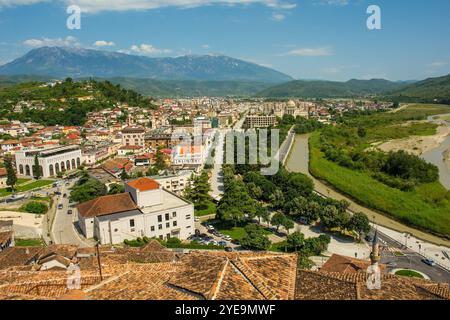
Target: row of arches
{"type": "Point", "coordinates": [53, 169]}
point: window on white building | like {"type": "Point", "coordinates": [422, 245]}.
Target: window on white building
{"type": "Point", "coordinates": [132, 223]}
{"type": "Point", "coordinates": [188, 216]}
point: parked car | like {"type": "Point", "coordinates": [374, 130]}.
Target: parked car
{"type": "Point", "coordinates": [210, 227]}
{"type": "Point", "coordinates": [196, 219]}
{"type": "Point", "coordinates": [213, 243]}
{"type": "Point", "coordinates": [228, 249]}
{"type": "Point", "coordinates": [69, 212]}
{"type": "Point", "coordinates": [60, 206]}
{"type": "Point", "coordinates": [223, 243]}
{"type": "Point", "coordinates": [228, 238]}
{"type": "Point", "coordinates": [65, 195]}
{"type": "Point", "coordinates": [429, 262]}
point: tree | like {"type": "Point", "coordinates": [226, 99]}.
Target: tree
{"type": "Point", "coordinates": [262, 213]}
{"type": "Point", "coordinates": [200, 191]}
{"type": "Point", "coordinates": [89, 190]}
{"type": "Point", "coordinates": [152, 171]}
{"type": "Point", "coordinates": [11, 179]}
{"type": "Point", "coordinates": [359, 223]}
{"type": "Point", "coordinates": [295, 241]}
{"type": "Point", "coordinates": [255, 238]}
{"type": "Point", "coordinates": [362, 132]}
{"type": "Point", "coordinates": [160, 163]}
{"type": "Point", "coordinates": [331, 218]}
{"type": "Point", "coordinates": [277, 220]}
{"type": "Point", "coordinates": [37, 172]}
{"type": "Point", "coordinates": [277, 199]}
{"type": "Point", "coordinates": [287, 224]}
{"type": "Point", "coordinates": [124, 175]}
{"type": "Point", "coordinates": [254, 191]}
{"type": "Point", "coordinates": [116, 188]}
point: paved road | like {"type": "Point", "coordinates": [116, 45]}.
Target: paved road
{"type": "Point", "coordinates": [63, 230]}
{"type": "Point", "coordinates": [410, 260]}
{"type": "Point", "coordinates": [217, 173]}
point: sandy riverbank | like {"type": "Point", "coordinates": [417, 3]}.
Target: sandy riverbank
{"type": "Point", "coordinates": [447, 158]}
{"type": "Point", "coordinates": [417, 145]}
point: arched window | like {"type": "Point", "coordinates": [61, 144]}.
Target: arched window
{"type": "Point", "coordinates": [68, 165]}
{"type": "Point", "coordinates": [63, 166]}
{"type": "Point", "coordinates": [74, 166]}
{"type": "Point", "coordinates": [57, 168]}
{"type": "Point", "coordinates": [51, 170]}
{"type": "Point", "coordinates": [78, 162]}
{"type": "Point", "coordinates": [27, 170]}
{"type": "Point", "coordinates": [21, 169]}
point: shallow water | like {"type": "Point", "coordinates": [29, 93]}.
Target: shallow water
{"type": "Point", "coordinates": [436, 156]}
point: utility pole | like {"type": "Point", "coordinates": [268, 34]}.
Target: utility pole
{"type": "Point", "coordinates": [99, 261]}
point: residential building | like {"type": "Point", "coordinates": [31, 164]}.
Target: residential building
{"type": "Point", "coordinates": [133, 136]}
{"type": "Point", "coordinates": [254, 121]}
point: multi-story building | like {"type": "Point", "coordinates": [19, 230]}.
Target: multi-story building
{"type": "Point", "coordinates": [253, 121]}
{"type": "Point", "coordinates": [175, 183]}
{"type": "Point", "coordinates": [145, 209]}
{"type": "Point", "coordinates": [52, 161]}
{"type": "Point", "coordinates": [133, 136]}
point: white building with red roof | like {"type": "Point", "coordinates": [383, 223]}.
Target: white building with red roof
{"type": "Point", "coordinates": [146, 209]}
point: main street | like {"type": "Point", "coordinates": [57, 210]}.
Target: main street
{"type": "Point", "coordinates": [396, 256]}
{"type": "Point", "coordinates": [217, 173]}
{"type": "Point", "coordinates": [63, 229]}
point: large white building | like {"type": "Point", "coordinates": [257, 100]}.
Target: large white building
{"type": "Point", "coordinates": [145, 209]}
{"type": "Point", "coordinates": [52, 161]}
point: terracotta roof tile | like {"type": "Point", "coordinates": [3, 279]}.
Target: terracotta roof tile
{"type": "Point", "coordinates": [107, 205]}
{"type": "Point", "coordinates": [144, 184]}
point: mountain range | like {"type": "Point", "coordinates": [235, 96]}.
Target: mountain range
{"type": "Point", "coordinates": [209, 75]}
{"type": "Point", "coordinates": [80, 63]}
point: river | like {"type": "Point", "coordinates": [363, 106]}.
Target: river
{"type": "Point", "coordinates": [436, 156]}
{"type": "Point", "coordinates": [298, 161]}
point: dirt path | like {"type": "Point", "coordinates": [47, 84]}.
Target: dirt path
{"type": "Point", "coordinates": [298, 162]}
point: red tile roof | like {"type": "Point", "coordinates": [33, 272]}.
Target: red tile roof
{"type": "Point", "coordinates": [144, 184]}
{"type": "Point", "coordinates": [106, 205]}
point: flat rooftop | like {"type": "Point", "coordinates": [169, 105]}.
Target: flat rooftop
{"type": "Point", "coordinates": [170, 201]}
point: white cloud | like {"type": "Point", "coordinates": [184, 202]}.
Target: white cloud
{"type": "Point", "coordinates": [14, 3]}
{"type": "Point", "coordinates": [103, 43]}
{"type": "Point", "coordinates": [333, 2]}
{"type": "Point", "coordinates": [206, 46]}
{"type": "Point", "coordinates": [278, 17]}
{"type": "Point", "coordinates": [310, 52]}
{"type": "Point", "coordinates": [438, 64]}
{"type": "Point", "coordinates": [93, 6]}
{"type": "Point", "coordinates": [147, 50]}
{"type": "Point", "coordinates": [47, 42]}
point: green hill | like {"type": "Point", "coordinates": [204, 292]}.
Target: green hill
{"type": "Point", "coordinates": [429, 90]}
{"type": "Point", "coordinates": [330, 89]}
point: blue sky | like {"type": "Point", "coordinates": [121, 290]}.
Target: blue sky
{"type": "Point", "coordinates": [307, 39]}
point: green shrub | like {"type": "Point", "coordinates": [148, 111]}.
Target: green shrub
{"type": "Point", "coordinates": [35, 207]}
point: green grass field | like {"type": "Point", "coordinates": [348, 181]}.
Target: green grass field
{"type": "Point", "coordinates": [28, 243]}
{"type": "Point", "coordinates": [427, 207]}
{"type": "Point", "coordinates": [236, 233]}
{"type": "Point", "coordinates": [26, 187]}
{"type": "Point", "coordinates": [409, 273]}
{"type": "Point", "coordinates": [205, 212]}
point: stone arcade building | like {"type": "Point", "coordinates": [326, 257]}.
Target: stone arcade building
{"type": "Point", "coordinates": [52, 161]}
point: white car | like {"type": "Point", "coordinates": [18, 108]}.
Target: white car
{"type": "Point", "coordinates": [196, 219]}
{"type": "Point", "coordinates": [209, 227]}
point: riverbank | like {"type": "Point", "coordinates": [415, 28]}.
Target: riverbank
{"type": "Point", "coordinates": [417, 145]}
{"type": "Point", "coordinates": [298, 161]}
